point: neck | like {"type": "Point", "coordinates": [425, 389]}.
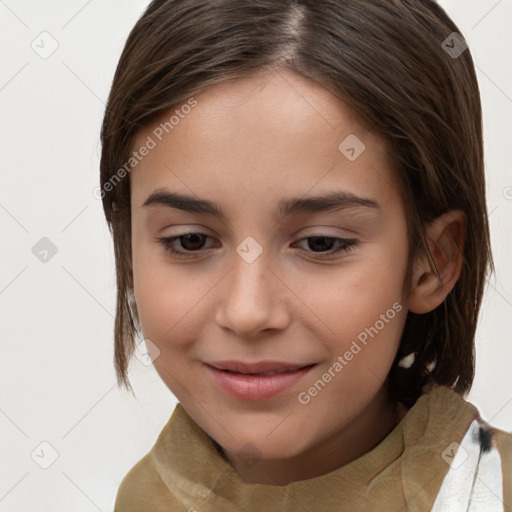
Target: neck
{"type": "Point", "coordinates": [355, 439]}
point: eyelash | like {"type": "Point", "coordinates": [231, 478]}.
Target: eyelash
{"type": "Point", "coordinates": [346, 245]}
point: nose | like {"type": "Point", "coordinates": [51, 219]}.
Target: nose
{"type": "Point", "coordinates": [252, 299]}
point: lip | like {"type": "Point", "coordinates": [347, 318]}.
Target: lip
{"type": "Point", "coordinates": [258, 367]}
{"type": "Point", "coordinates": [244, 380]}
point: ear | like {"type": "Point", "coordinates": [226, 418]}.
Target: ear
{"type": "Point", "coordinates": [445, 238]}
{"type": "Point", "coordinates": [132, 305]}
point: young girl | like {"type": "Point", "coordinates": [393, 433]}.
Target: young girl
{"type": "Point", "coordinates": [296, 194]}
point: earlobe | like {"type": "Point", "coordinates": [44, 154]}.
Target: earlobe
{"type": "Point", "coordinates": [434, 278]}
{"type": "Point", "coordinates": [132, 305]}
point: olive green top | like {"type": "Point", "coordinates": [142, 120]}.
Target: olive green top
{"type": "Point", "coordinates": [186, 472]}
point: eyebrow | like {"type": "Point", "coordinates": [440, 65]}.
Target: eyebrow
{"type": "Point", "coordinates": [330, 201]}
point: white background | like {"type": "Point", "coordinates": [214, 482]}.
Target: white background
{"type": "Point", "coordinates": [57, 381]}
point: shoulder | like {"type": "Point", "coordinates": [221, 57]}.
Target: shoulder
{"type": "Point", "coordinates": [480, 470]}
{"type": "Point", "coordinates": [503, 442]}
{"type": "Point", "coordinates": [142, 489]}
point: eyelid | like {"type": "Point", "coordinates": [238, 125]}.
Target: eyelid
{"type": "Point", "coordinates": [167, 241]}
{"type": "Point", "coordinates": [344, 245]}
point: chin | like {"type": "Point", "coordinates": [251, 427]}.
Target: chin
{"type": "Point", "coordinates": [259, 446]}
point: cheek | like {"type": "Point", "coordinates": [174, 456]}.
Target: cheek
{"type": "Point", "coordinates": [154, 295]}
{"type": "Point", "coordinates": [359, 308]}
{"type": "Point", "coordinates": [363, 319]}
{"type": "Point", "coordinates": [354, 295]}
{"type": "Point", "coordinates": [168, 296]}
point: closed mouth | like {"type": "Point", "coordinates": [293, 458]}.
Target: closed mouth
{"type": "Point", "coordinates": [265, 374]}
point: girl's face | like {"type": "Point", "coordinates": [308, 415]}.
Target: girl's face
{"type": "Point", "coordinates": [299, 257]}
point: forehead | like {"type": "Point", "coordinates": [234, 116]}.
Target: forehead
{"type": "Point", "coordinates": [253, 138]}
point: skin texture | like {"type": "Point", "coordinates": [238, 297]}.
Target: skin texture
{"type": "Point", "coordinates": [248, 144]}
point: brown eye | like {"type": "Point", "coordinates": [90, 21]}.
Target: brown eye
{"type": "Point", "coordinates": [188, 243]}
{"type": "Point", "coordinates": [329, 244]}
{"type": "Point", "coordinates": [192, 241]}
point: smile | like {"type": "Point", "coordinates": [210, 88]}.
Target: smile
{"type": "Point", "coordinates": [261, 385]}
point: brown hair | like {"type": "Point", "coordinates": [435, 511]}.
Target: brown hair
{"type": "Point", "coordinates": [385, 59]}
